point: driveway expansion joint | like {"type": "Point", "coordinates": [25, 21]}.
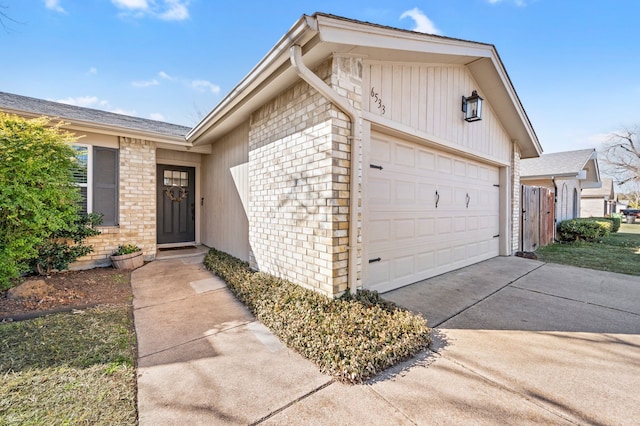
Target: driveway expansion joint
{"type": "Point", "coordinates": [295, 401]}
{"type": "Point", "coordinates": [204, 336]}
{"type": "Point", "coordinates": [170, 302]}
{"type": "Point", "coordinates": [488, 296]}
{"type": "Point", "coordinates": [535, 401]}
{"type": "Point", "coordinates": [575, 300]}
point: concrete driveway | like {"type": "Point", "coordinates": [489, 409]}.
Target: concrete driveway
{"type": "Point", "coordinates": [565, 340]}
{"type": "Point", "coordinates": [516, 342]}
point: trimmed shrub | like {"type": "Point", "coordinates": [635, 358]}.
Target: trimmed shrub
{"type": "Point", "coordinates": [617, 221]}
{"type": "Point", "coordinates": [38, 194]}
{"type": "Point", "coordinates": [352, 338]}
{"type": "Point", "coordinates": [584, 229]}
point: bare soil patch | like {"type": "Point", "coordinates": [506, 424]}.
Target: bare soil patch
{"type": "Point", "coordinates": [72, 289]}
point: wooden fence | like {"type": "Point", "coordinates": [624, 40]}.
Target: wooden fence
{"type": "Point", "coordinates": [538, 223]}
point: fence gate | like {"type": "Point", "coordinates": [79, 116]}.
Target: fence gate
{"type": "Point", "coordinates": [537, 224]}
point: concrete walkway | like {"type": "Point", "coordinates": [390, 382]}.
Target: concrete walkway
{"type": "Point", "coordinates": [517, 342]}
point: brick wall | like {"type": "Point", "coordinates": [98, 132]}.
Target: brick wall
{"type": "Point", "coordinates": [515, 199]}
{"type": "Point", "coordinates": [299, 160]}
{"type": "Point", "coordinates": [137, 210]}
{"type": "Point", "coordinates": [347, 81]}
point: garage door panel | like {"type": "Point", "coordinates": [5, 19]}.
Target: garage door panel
{"type": "Point", "coordinates": [426, 161]}
{"type": "Point", "coordinates": [445, 225]}
{"type": "Point", "coordinates": [404, 229]}
{"type": "Point", "coordinates": [379, 274]}
{"type": "Point", "coordinates": [460, 168]}
{"type": "Point", "coordinates": [404, 267]}
{"type": "Point", "coordinates": [405, 156]}
{"type": "Point", "coordinates": [405, 192]}
{"type": "Point", "coordinates": [379, 231]}
{"type": "Point", "coordinates": [426, 227]}
{"type": "Point", "coordinates": [444, 164]}
{"type": "Point", "coordinates": [380, 150]}
{"type": "Point", "coordinates": [460, 224]}
{"type": "Point", "coordinates": [413, 238]}
{"type": "Point", "coordinates": [472, 171]}
{"type": "Point", "coordinates": [380, 191]}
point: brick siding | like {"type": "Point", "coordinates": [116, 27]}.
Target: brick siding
{"type": "Point", "coordinates": [137, 210]}
{"type": "Point", "coordinates": [299, 165]}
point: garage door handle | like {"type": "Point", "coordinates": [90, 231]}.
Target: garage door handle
{"type": "Point", "coordinates": [377, 259]}
{"type": "Point", "coordinates": [437, 199]}
{"type": "Point", "coordinates": [373, 166]}
{"type": "Point", "coordinates": [468, 199]}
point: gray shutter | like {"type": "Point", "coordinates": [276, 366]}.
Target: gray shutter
{"type": "Point", "coordinates": [105, 184]}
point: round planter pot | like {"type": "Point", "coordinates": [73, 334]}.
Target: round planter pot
{"type": "Point", "coordinates": [128, 261]}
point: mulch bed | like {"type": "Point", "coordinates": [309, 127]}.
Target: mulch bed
{"type": "Point", "coordinates": [71, 290]}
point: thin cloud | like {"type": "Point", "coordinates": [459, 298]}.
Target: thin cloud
{"type": "Point", "coordinates": [96, 103]}
{"type": "Point", "coordinates": [85, 101]}
{"type": "Point", "coordinates": [166, 76]}
{"type": "Point", "coordinates": [176, 11]}
{"type": "Point", "coordinates": [520, 3]}
{"type": "Point", "coordinates": [166, 10]}
{"type": "Point", "coordinates": [422, 23]}
{"type": "Point", "coordinates": [92, 71]}
{"type": "Point", "coordinates": [147, 83]}
{"type": "Point", "coordinates": [156, 116]}
{"type": "Point", "coordinates": [131, 4]}
{"type": "Point", "coordinates": [204, 86]}
{"type": "Point", "coordinates": [54, 5]}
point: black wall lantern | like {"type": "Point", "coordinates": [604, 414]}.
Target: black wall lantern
{"type": "Point", "coordinates": [472, 107]}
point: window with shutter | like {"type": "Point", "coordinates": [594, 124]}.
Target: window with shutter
{"type": "Point", "coordinates": [105, 184]}
{"type": "Point", "coordinates": [96, 174]}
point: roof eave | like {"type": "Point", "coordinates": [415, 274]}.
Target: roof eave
{"type": "Point", "coordinates": [109, 129]}
{"type": "Point", "coordinates": [484, 64]}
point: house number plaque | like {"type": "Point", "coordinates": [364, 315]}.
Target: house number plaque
{"type": "Point", "coordinates": [377, 101]}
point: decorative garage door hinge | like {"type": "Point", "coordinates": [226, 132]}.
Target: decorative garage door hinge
{"type": "Point", "coordinates": [377, 259]}
{"type": "Point", "coordinates": [373, 166]}
{"type": "Point", "coordinates": [496, 185]}
{"type": "Point", "coordinates": [496, 236]}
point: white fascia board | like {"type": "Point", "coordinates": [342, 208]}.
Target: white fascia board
{"type": "Point", "coordinates": [496, 87]}
{"type": "Point", "coordinates": [347, 32]}
{"type": "Point", "coordinates": [551, 176]}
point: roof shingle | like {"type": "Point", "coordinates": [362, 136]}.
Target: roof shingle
{"type": "Point", "coordinates": [556, 164]}
{"type": "Point", "coordinates": [71, 112]}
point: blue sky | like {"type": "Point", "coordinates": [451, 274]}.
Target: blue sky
{"type": "Point", "coordinates": [574, 64]}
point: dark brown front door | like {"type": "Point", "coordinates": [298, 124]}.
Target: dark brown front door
{"type": "Point", "coordinates": [176, 204]}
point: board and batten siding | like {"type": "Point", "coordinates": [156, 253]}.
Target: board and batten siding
{"type": "Point", "coordinates": [428, 98]}
{"type": "Point", "coordinates": [225, 225]}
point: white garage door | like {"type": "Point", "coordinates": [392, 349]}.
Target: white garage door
{"type": "Point", "coordinates": [429, 212]}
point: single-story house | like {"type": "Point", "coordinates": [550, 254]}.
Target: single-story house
{"type": "Point", "coordinates": [567, 174]}
{"type": "Point", "coordinates": [353, 155]}
{"type": "Point", "coordinates": [598, 202]}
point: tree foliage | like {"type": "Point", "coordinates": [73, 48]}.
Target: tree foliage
{"type": "Point", "coordinates": [38, 196]}
{"type": "Point", "coordinates": [622, 155]}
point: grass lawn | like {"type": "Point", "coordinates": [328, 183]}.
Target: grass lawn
{"type": "Point", "coordinates": [619, 252]}
{"type": "Point", "coordinates": [69, 368]}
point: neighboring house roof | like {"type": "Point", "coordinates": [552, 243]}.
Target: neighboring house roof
{"type": "Point", "coordinates": [581, 164]}
{"type": "Point", "coordinates": [605, 192]}
{"type": "Point", "coordinates": [88, 119]}
{"type": "Point", "coordinates": [321, 35]}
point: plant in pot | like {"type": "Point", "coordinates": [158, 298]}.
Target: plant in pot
{"type": "Point", "coordinates": [127, 256]}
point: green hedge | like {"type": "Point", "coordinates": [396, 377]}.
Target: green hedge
{"type": "Point", "coordinates": [584, 229]}
{"type": "Point", "coordinates": [617, 221]}
{"type": "Point", "coordinates": [352, 338]}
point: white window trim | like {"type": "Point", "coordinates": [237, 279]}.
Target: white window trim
{"type": "Point", "coordinates": [89, 184]}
